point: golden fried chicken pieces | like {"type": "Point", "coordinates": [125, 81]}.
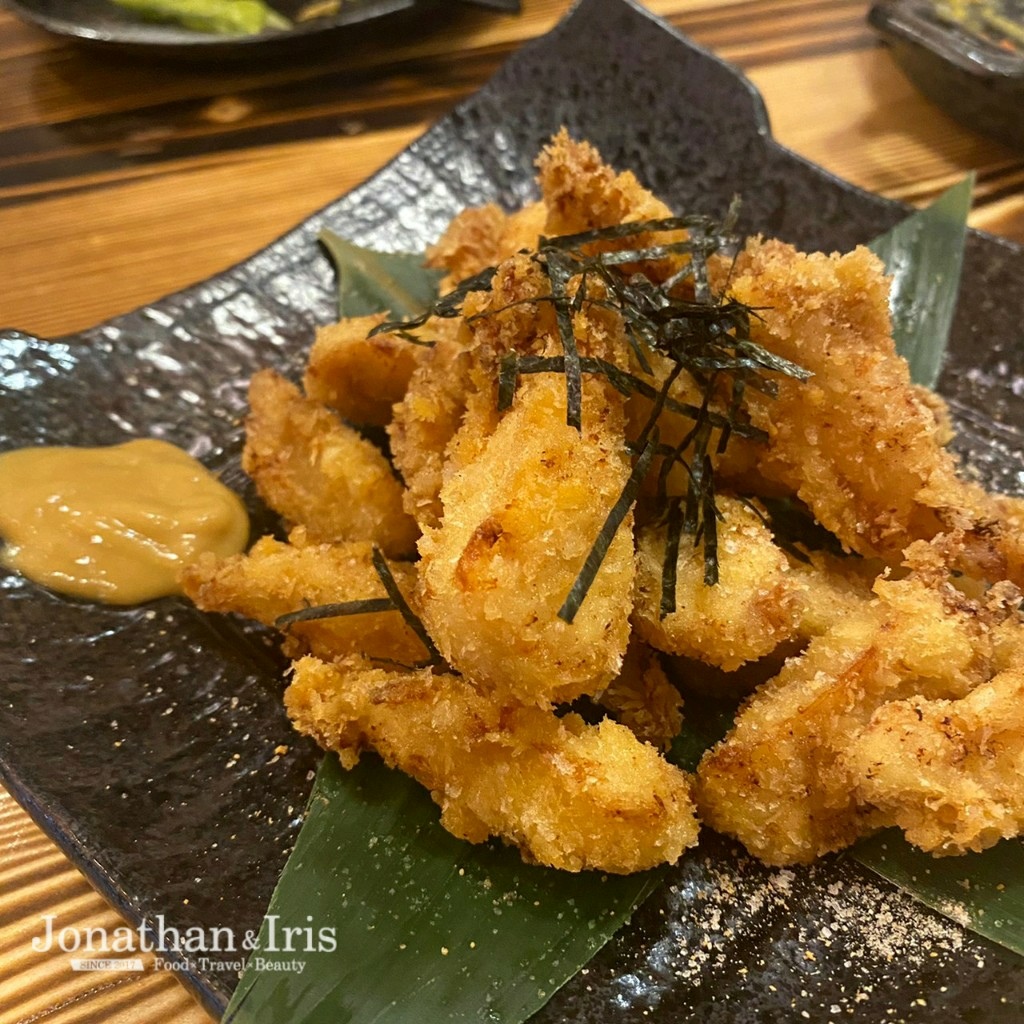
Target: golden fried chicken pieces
{"type": "Point", "coordinates": [781, 781]}
{"type": "Point", "coordinates": [569, 795]}
{"type": "Point", "coordinates": [424, 423]}
{"type": "Point", "coordinates": [754, 606]}
{"type": "Point", "coordinates": [518, 523]}
{"type": "Point", "coordinates": [582, 192]}
{"type": "Point", "coordinates": [357, 376]}
{"type": "Point", "coordinates": [947, 772]}
{"type": "Point", "coordinates": [643, 699]}
{"type": "Point", "coordinates": [275, 578]}
{"type": "Point", "coordinates": [894, 700]}
{"type": "Point", "coordinates": [857, 442]}
{"type": "Point", "coordinates": [485, 236]}
{"type": "Point", "coordinates": [315, 471]}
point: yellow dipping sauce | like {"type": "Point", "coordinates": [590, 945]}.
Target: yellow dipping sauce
{"type": "Point", "coordinates": [113, 524]}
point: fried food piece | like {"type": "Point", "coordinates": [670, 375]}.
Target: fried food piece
{"type": "Point", "coordinates": [315, 471]}
{"type": "Point", "coordinates": [275, 578]}
{"type": "Point", "coordinates": [642, 698]}
{"type": "Point", "coordinates": [360, 378]}
{"type": "Point", "coordinates": [518, 524]}
{"type": "Point", "coordinates": [424, 423]}
{"type": "Point", "coordinates": [947, 772]}
{"type": "Point", "coordinates": [484, 236]}
{"type": "Point", "coordinates": [778, 781]}
{"type": "Point", "coordinates": [831, 588]}
{"type": "Point", "coordinates": [754, 606]}
{"type": "Point", "coordinates": [857, 442]}
{"type": "Point", "coordinates": [470, 242]}
{"type": "Point", "coordinates": [581, 192]}
{"type": "Point", "coordinates": [511, 315]}
{"type": "Point", "coordinates": [569, 795]}
{"type": "Point", "coordinates": [450, 407]}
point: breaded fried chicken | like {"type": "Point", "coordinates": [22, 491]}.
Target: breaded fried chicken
{"type": "Point", "coordinates": [318, 473]}
{"type": "Point", "coordinates": [569, 795]}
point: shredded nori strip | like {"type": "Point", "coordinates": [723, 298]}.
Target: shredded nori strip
{"type": "Point", "coordinates": [559, 272]}
{"type": "Point", "coordinates": [333, 611]}
{"type": "Point", "coordinates": [705, 335]}
{"type": "Point", "coordinates": [508, 380]}
{"type": "Point", "coordinates": [792, 522]}
{"type": "Point", "coordinates": [412, 620]}
{"type": "Point", "coordinates": [447, 306]}
{"type": "Point", "coordinates": [670, 562]}
{"type": "Point", "coordinates": [709, 526]}
{"type": "Point", "coordinates": [513, 366]}
{"type": "Point", "coordinates": [616, 515]}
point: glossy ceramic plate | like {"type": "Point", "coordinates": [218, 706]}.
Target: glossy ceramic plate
{"type": "Point", "coordinates": [143, 739]}
{"type": "Point", "coordinates": [357, 22]}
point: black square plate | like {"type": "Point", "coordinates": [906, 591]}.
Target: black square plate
{"type": "Point", "coordinates": [142, 740]}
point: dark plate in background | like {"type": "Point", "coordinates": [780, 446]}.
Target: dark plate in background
{"type": "Point", "coordinates": [143, 739]}
{"type": "Point", "coordinates": [972, 79]}
{"type": "Point", "coordinates": [107, 26]}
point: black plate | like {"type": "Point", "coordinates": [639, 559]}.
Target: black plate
{"type": "Point", "coordinates": [140, 739]}
{"type": "Point", "coordinates": [977, 82]}
{"type": "Point", "coordinates": [103, 24]}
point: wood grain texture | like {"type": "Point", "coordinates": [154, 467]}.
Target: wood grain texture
{"type": "Point", "coordinates": [107, 166]}
{"type": "Point", "coordinates": [37, 880]}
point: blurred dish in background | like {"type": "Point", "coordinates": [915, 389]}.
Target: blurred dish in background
{"type": "Point", "coordinates": [997, 21]}
{"type": "Point", "coordinates": [967, 56]}
{"type": "Point", "coordinates": [259, 30]}
{"type": "Point", "coordinates": [221, 17]}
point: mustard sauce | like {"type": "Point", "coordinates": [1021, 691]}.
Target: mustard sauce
{"type": "Point", "coordinates": [113, 524]}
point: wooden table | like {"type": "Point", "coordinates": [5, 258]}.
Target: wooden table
{"type": "Point", "coordinates": [121, 181]}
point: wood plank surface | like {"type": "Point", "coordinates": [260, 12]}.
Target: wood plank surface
{"type": "Point", "coordinates": [107, 166]}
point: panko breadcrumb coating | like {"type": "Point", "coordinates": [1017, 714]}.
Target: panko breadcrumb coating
{"type": "Point", "coordinates": [831, 588]}
{"type": "Point", "coordinates": [569, 795]}
{"type": "Point", "coordinates": [517, 526]}
{"type": "Point", "coordinates": [643, 699]}
{"type": "Point", "coordinates": [275, 578]}
{"type": "Point", "coordinates": [359, 377]}
{"type": "Point", "coordinates": [485, 236]}
{"type": "Point", "coordinates": [316, 472]}
{"type": "Point", "coordinates": [947, 772]}
{"type": "Point", "coordinates": [754, 606]}
{"type": "Point", "coordinates": [896, 676]}
{"type": "Point", "coordinates": [857, 442]}
{"type": "Point", "coordinates": [424, 423]}
{"type": "Point", "coordinates": [780, 781]}
{"type": "Point", "coordinates": [582, 192]}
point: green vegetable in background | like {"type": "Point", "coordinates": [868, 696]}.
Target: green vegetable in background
{"type": "Point", "coordinates": [221, 17]}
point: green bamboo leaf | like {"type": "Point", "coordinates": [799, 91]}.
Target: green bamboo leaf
{"type": "Point", "coordinates": [221, 17]}
{"type": "Point", "coordinates": [706, 722]}
{"type": "Point", "coordinates": [423, 927]}
{"type": "Point", "coordinates": [982, 891]}
{"type": "Point", "coordinates": [374, 282]}
{"type": "Point", "coordinates": [924, 255]}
